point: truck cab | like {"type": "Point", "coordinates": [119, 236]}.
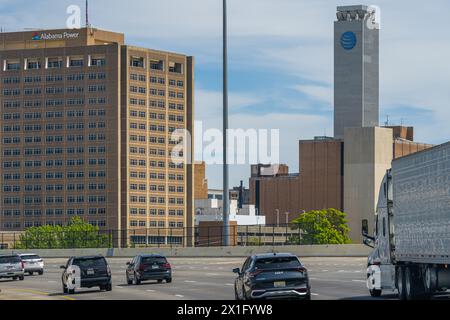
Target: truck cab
{"type": "Point", "coordinates": [380, 264]}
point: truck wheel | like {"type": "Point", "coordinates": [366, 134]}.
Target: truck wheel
{"type": "Point", "coordinates": [375, 293]}
{"type": "Point", "coordinates": [400, 278]}
{"type": "Point", "coordinates": [410, 289]}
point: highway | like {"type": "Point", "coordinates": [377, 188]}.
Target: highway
{"type": "Point", "coordinates": [193, 279]}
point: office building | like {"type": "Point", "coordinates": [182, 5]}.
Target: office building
{"type": "Point", "coordinates": [86, 126]}
{"type": "Point", "coordinates": [356, 69]}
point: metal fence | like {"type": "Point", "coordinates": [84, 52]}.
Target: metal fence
{"type": "Point", "coordinates": [206, 236]}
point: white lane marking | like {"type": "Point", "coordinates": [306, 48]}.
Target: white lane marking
{"type": "Point", "coordinates": [212, 274]}
{"type": "Point", "coordinates": [119, 287]}
{"type": "Point", "coordinates": [150, 290]}
{"type": "Point", "coordinates": [342, 271]}
{"type": "Point", "coordinates": [179, 296]}
{"type": "Point", "coordinates": [324, 270]}
{"type": "Point", "coordinates": [359, 280]}
{"type": "Point", "coordinates": [229, 284]}
{"type": "Point", "coordinates": [51, 281]}
{"type": "Point", "coordinates": [190, 281]}
{"type": "Point", "coordinates": [314, 294]}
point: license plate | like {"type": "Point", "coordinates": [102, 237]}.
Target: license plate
{"type": "Point", "coordinates": [279, 284]}
{"type": "Point", "coordinates": [155, 267]}
{"type": "Point", "coordinates": [90, 272]}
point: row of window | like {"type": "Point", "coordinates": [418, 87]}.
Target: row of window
{"type": "Point", "coordinates": [156, 80]}
{"type": "Point", "coordinates": [54, 187]}
{"type": "Point", "coordinates": [60, 175]}
{"type": "Point", "coordinates": [156, 212]}
{"type": "Point", "coordinates": [156, 224]}
{"type": "Point", "coordinates": [52, 63]}
{"type": "Point", "coordinates": [29, 224]}
{"type": "Point", "coordinates": [55, 78]}
{"type": "Point", "coordinates": [50, 200]}
{"type": "Point", "coordinates": [161, 176]}
{"type": "Point", "coordinates": [158, 65]}
{"type": "Point", "coordinates": [160, 200]}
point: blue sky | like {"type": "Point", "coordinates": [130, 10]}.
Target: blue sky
{"type": "Point", "coordinates": [281, 60]}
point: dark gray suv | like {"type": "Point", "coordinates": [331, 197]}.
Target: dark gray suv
{"type": "Point", "coordinates": [148, 267]}
{"type": "Point", "coordinates": [272, 276]}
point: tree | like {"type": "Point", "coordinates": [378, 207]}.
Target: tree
{"type": "Point", "coordinates": [328, 226]}
{"type": "Point", "coordinates": [77, 234]}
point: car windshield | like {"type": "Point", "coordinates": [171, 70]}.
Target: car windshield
{"type": "Point", "coordinates": [277, 263]}
{"type": "Point", "coordinates": [31, 257]}
{"type": "Point", "coordinates": [9, 259]}
{"type": "Point", "coordinates": [154, 260]}
{"type": "Point", "coordinates": [90, 262]}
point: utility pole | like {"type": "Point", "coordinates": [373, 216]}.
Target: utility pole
{"type": "Point", "coordinates": [226, 209]}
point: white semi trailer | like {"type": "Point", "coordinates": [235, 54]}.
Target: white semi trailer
{"type": "Point", "coordinates": [411, 240]}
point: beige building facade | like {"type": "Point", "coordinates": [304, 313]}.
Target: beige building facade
{"type": "Point", "coordinates": [86, 131]}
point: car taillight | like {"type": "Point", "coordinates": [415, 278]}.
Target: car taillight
{"type": "Point", "coordinates": [302, 269]}
{"type": "Point", "coordinates": [23, 265]}
{"type": "Point", "coordinates": [109, 271]}
{"type": "Point", "coordinates": [167, 266]}
{"type": "Point", "coordinates": [141, 267]}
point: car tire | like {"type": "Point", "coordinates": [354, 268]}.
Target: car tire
{"type": "Point", "coordinates": [30, 273]}
{"type": "Point", "coordinates": [15, 278]}
{"type": "Point", "coordinates": [41, 273]}
{"type": "Point", "coordinates": [108, 287]}
{"type": "Point", "coordinates": [375, 293]}
{"type": "Point", "coordinates": [65, 291]}
{"type": "Point", "coordinates": [129, 281]}
{"type": "Point", "coordinates": [21, 278]}
{"type": "Point", "coordinates": [71, 291]}
{"type": "Point", "coordinates": [169, 280]}
{"type": "Point", "coordinates": [136, 280]}
{"type": "Point", "coordinates": [160, 281]}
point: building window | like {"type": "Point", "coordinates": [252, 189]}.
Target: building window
{"type": "Point", "coordinates": [157, 65]}
{"type": "Point", "coordinates": [137, 62]}
{"type": "Point", "coordinates": [175, 67]}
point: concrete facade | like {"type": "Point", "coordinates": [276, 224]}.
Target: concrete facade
{"type": "Point", "coordinates": [356, 69]}
{"type": "Point", "coordinates": [368, 155]}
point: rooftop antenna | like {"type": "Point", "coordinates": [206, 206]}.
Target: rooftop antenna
{"type": "Point", "coordinates": [87, 13]}
{"type": "Point", "coordinates": [387, 121]}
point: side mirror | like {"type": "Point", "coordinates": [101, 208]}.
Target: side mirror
{"type": "Point", "coordinates": [237, 270]}
{"type": "Point", "coordinates": [365, 227]}
{"type": "Point", "coordinates": [368, 243]}
{"type": "Point", "coordinates": [128, 263]}
{"type": "Point", "coordinates": [62, 267]}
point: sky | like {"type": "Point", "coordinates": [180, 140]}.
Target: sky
{"type": "Point", "coordinates": [280, 60]}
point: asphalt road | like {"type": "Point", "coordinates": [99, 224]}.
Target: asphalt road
{"type": "Point", "coordinates": [194, 279]}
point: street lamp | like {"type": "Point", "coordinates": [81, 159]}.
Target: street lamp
{"type": "Point", "coordinates": [226, 209]}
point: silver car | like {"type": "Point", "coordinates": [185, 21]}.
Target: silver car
{"type": "Point", "coordinates": [11, 266]}
{"type": "Point", "coordinates": [32, 263]}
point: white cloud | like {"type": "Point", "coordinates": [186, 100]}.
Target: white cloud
{"type": "Point", "coordinates": [318, 93]}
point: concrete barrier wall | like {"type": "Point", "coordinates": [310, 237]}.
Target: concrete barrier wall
{"type": "Point", "coordinates": [301, 251]}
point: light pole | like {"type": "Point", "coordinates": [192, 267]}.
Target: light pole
{"type": "Point", "coordinates": [226, 209]}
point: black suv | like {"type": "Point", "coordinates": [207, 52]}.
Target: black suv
{"type": "Point", "coordinates": [95, 271]}
{"type": "Point", "coordinates": [148, 267]}
{"type": "Point", "coordinates": [272, 276]}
